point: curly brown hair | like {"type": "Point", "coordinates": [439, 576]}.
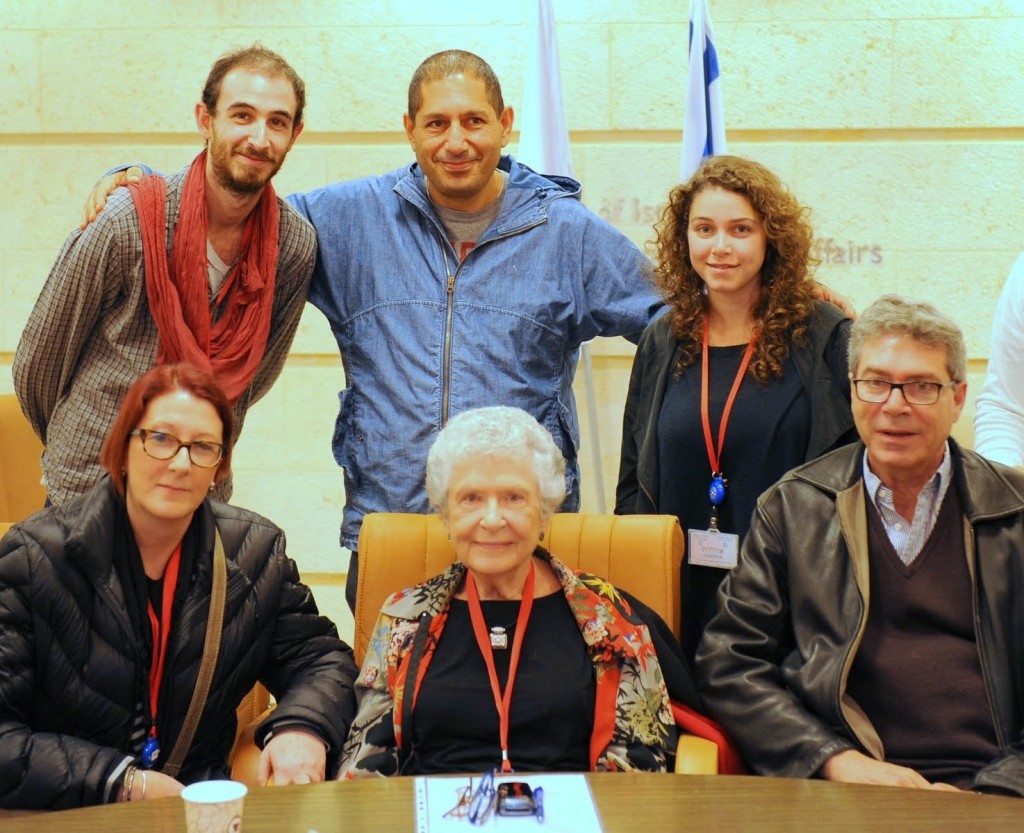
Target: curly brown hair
{"type": "Point", "coordinates": [785, 305]}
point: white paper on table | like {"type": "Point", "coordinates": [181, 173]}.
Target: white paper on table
{"type": "Point", "coordinates": [568, 805]}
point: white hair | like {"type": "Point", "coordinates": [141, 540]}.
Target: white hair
{"type": "Point", "coordinates": [498, 431]}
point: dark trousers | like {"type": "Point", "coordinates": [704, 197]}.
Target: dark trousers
{"type": "Point", "coordinates": [352, 582]}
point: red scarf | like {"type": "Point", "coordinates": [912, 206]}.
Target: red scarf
{"type": "Point", "coordinates": [233, 346]}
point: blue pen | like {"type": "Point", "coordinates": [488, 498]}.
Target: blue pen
{"type": "Point", "coordinates": [538, 798]}
{"type": "Point", "coordinates": [483, 799]}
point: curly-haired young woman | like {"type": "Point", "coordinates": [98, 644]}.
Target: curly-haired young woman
{"type": "Point", "coordinates": [742, 379]}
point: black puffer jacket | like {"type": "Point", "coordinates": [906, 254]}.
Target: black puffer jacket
{"type": "Point", "coordinates": [70, 656]}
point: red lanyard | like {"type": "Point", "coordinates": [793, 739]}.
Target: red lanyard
{"type": "Point", "coordinates": [161, 632]}
{"type": "Point", "coordinates": [502, 701]}
{"type": "Point", "coordinates": [715, 458]}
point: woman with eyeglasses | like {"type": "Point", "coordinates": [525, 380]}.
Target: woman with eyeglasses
{"type": "Point", "coordinates": [104, 604]}
{"type": "Point", "coordinates": [742, 379]}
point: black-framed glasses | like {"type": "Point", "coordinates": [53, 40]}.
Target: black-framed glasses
{"type": "Point", "coordinates": [163, 446]}
{"type": "Point", "coordinates": [917, 392]}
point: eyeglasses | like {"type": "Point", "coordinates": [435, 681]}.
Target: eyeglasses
{"type": "Point", "coordinates": [461, 807]}
{"type": "Point", "coordinates": [916, 392]}
{"type": "Point", "coordinates": [482, 802]}
{"type": "Point", "coordinates": [162, 446]}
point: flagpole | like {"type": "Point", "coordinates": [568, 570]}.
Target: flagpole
{"type": "Point", "coordinates": [544, 146]}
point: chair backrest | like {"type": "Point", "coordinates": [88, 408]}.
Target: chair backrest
{"type": "Point", "coordinates": [21, 489]}
{"type": "Point", "coordinates": [640, 554]}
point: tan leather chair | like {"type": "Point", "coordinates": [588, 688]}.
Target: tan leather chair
{"type": "Point", "coordinates": [640, 554]}
{"type": "Point", "coordinates": [244, 759]}
{"type": "Point", "coordinates": [21, 488]}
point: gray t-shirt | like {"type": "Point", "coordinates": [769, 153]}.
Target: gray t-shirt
{"type": "Point", "coordinates": [465, 227]}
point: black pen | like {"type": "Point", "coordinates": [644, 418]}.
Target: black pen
{"type": "Point", "coordinates": [538, 798]}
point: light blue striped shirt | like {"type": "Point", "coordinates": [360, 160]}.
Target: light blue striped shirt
{"type": "Point", "coordinates": [909, 538]}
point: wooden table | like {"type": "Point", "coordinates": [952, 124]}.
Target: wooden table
{"type": "Point", "coordinates": [626, 803]}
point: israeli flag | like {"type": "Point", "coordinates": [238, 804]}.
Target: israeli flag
{"type": "Point", "coordinates": [704, 124]}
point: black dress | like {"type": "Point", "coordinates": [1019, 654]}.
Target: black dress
{"type": "Point", "coordinates": [767, 435]}
{"type": "Point", "coordinates": [552, 709]}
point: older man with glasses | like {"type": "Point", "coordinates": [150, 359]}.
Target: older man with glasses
{"type": "Point", "coordinates": [872, 631]}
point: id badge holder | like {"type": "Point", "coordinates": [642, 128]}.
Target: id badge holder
{"type": "Point", "coordinates": [712, 548]}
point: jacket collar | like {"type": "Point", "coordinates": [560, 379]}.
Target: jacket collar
{"type": "Point", "coordinates": [91, 517]}
{"type": "Point", "coordinates": [660, 361]}
{"type": "Point", "coordinates": [526, 198]}
{"type": "Point", "coordinates": [986, 490]}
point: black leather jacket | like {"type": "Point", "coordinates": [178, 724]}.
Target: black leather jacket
{"type": "Point", "coordinates": [821, 364]}
{"type": "Point", "coordinates": [774, 661]}
{"type": "Point", "coordinates": [70, 655]}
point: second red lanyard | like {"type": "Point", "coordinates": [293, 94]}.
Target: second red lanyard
{"type": "Point", "coordinates": [716, 490]}
{"type": "Point", "coordinates": [161, 629]}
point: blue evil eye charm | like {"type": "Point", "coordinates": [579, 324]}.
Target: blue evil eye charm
{"type": "Point", "coordinates": [716, 491]}
{"type": "Point", "coordinates": [150, 752]}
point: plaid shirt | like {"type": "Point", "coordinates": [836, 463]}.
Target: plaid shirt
{"type": "Point", "coordinates": [91, 335]}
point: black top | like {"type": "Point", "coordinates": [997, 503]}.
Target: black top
{"type": "Point", "coordinates": [766, 436]}
{"type": "Point", "coordinates": [552, 712]}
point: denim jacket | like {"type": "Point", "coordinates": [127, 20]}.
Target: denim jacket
{"type": "Point", "coordinates": [423, 337]}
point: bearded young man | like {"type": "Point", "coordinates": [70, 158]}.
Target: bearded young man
{"type": "Point", "coordinates": [206, 266]}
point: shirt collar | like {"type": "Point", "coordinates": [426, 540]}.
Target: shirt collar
{"type": "Point", "coordinates": [938, 481]}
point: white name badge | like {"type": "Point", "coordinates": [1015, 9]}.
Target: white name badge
{"type": "Point", "coordinates": [711, 548]}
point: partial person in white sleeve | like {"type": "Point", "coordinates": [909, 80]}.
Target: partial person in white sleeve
{"type": "Point", "coordinates": [872, 631]}
{"type": "Point", "coordinates": [999, 418]}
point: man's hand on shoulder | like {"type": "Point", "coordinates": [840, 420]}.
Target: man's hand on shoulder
{"type": "Point", "coordinates": [853, 767]}
{"type": "Point", "coordinates": [104, 188]}
{"type": "Point", "coordinates": [830, 296]}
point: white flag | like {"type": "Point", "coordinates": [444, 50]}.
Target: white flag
{"type": "Point", "coordinates": [704, 124]}
{"type": "Point", "coordinates": [544, 138]}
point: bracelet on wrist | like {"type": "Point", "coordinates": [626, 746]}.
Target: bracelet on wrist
{"type": "Point", "coordinates": [129, 782]}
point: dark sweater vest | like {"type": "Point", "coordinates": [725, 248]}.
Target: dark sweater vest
{"type": "Point", "coordinates": [917, 673]}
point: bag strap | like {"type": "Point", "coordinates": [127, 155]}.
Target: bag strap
{"type": "Point", "coordinates": [211, 649]}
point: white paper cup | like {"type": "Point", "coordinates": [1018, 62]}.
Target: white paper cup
{"type": "Point", "coordinates": [214, 806]}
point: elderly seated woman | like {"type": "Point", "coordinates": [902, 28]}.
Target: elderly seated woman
{"type": "Point", "coordinates": [103, 613]}
{"type": "Point", "coordinates": [510, 659]}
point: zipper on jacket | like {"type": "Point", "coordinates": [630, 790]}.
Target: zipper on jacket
{"type": "Point", "coordinates": [446, 387]}
{"type": "Point", "coordinates": [449, 314]}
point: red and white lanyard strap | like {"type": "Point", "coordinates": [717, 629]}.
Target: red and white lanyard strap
{"type": "Point", "coordinates": [161, 629]}
{"type": "Point", "coordinates": [716, 489]}
{"type": "Point", "coordinates": [502, 700]}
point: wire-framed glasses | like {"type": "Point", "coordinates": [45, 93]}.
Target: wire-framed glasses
{"type": "Point", "coordinates": [916, 392]}
{"type": "Point", "coordinates": [464, 798]}
{"type": "Point", "coordinates": [163, 446]}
